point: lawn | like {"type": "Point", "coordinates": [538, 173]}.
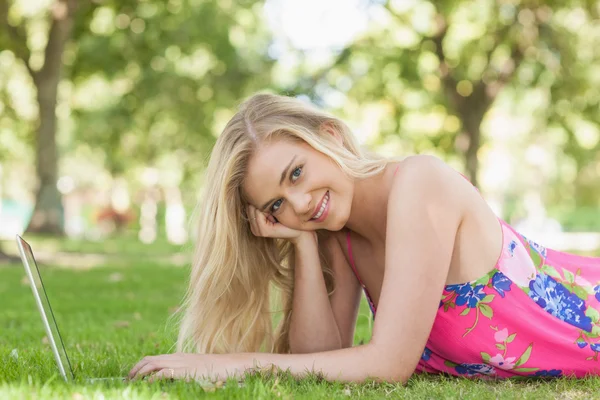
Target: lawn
{"type": "Point", "coordinates": [113, 313]}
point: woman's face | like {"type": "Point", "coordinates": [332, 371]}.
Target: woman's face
{"type": "Point", "coordinates": [299, 186]}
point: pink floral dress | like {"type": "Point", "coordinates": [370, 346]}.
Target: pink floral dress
{"type": "Point", "coordinates": [537, 313]}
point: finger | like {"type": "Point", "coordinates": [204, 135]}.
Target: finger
{"type": "Point", "coordinates": [149, 368]}
{"type": "Point", "coordinates": [260, 219]}
{"type": "Point", "coordinates": [172, 374]}
{"type": "Point", "coordinates": [153, 363]}
{"type": "Point", "coordinates": [139, 366]}
{"type": "Point", "coordinates": [255, 218]}
{"type": "Point", "coordinates": [166, 374]}
{"type": "Point", "coordinates": [250, 217]}
{"type": "Point", "coordinates": [139, 370]}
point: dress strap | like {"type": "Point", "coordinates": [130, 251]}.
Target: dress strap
{"type": "Point", "coordinates": [351, 258]}
{"type": "Point", "coordinates": [349, 245]}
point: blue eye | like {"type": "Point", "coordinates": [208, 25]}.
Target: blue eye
{"type": "Point", "coordinates": [293, 177]}
{"type": "Point", "coordinates": [296, 173]}
{"type": "Point", "coordinates": [276, 205]}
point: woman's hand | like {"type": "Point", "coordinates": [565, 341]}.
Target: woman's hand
{"type": "Point", "coordinates": [211, 367]}
{"type": "Point", "coordinates": [265, 225]}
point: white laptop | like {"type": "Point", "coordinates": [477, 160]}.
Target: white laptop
{"type": "Point", "coordinates": [41, 299]}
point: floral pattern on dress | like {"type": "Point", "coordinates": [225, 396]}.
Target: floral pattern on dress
{"type": "Point", "coordinates": [502, 360]}
{"type": "Point", "coordinates": [517, 264]}
{"type": "Point", "coordinates": [501, 283]}
{"type": "Point", "coordinates": [471, 369]}
{"type": "Point", "coordinates": [471, 297]}
{"type": "Point", "coordinates": [541, 310]}
{"type": "Point", "coordinates": [554, 298]}
{"type": "Point", "coordinates": [535, 314]}
{"type": "Point", "coordinates": [549, 373]}
{"type": "Point", "coordinates": [426, 354]}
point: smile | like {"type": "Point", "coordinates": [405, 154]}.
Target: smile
{"type": "Point", "coordinates": [321, 213]}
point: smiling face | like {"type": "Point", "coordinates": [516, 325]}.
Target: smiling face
{"type": "Point", "coordinates": [301, 187]}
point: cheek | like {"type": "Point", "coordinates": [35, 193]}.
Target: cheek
{"type": "Point", "coordinates": [346, 192]}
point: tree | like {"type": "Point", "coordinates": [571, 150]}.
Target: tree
{"type": "Point", "coordinates": [179, 67]}
{"type": "Point", "coordinates": [450, 59]}
{"type": "Point", "coordinates": [47, 214]}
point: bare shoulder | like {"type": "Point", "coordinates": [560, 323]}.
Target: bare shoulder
{"type": "Point", "coordinates": [430, 186]}
{"type": "Point", "coordinates": [428, 170]}
{"type": "Point", "coordinates": [429, 180]}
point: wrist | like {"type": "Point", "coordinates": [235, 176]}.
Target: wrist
{"type": "Point", "coordinates": [305, 238]}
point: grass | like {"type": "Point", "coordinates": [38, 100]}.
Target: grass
{"type": "Point", "coordinates": [115, 313]}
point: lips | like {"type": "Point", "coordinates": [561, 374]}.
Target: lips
{"type": "Point", "coordinates": [318, 207]}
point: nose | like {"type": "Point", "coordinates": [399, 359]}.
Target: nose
{"type": "Point", "coordinates": [301, 203]}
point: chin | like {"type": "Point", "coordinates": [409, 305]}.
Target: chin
{"type": "Point", "coordinates": [336, 225]}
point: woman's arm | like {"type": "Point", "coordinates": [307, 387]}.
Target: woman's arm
{"type": "Point", "coordinates": [426, 205]}
{"type": "Point", "coordinates": [320, 322]}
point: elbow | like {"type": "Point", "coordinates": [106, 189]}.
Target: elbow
{"type": "Point", "coordinates": [390, 374]}
{"type": "Point", "coordinates": [386, 366]}
{"type": "Point", "coordinates": [394, 377]}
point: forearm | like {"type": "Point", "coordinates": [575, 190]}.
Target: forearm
{"type": "Point", "coordinates": [312, 326]}
{"type": "Point", "coordinates": [354, 364]}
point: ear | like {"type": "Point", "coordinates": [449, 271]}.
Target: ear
{"type": "Point", "coordinates": [331, 129]}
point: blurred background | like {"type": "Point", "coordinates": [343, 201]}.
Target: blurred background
{"type": "Point", "coordinates": [109, 108]}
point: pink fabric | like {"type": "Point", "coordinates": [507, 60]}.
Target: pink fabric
{"type": "Point", "coordinates": [537, 313]}
{"type": "Point", "coordinates": [349, 243]}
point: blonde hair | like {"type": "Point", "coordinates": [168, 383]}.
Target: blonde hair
{"type": "Point", "coordinates": [227, 307]}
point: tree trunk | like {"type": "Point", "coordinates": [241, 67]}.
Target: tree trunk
{"type": "Point", "coordinates": [471, 111]}
{"type": "Point", "coordinates": [472, 107]}
{"type": "Point", "coordinates": [48, 212]}
{"type": "Point", "coordinates": [471, 160]}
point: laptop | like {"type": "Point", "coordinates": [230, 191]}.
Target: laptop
{"type": "Point", "coordinates": [43, 304]}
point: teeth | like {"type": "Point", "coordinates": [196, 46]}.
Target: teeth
{"type": "Point", "coordinates": [325, 200]}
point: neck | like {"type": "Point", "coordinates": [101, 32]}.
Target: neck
{"type": "Point", "coordinates": [369, 206]}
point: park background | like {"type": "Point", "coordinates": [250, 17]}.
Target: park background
{"type": "Point", "coordinates": [109, 109]}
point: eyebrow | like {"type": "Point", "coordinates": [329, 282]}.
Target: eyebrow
{"type": "Point", "coordinates": [283, 174]}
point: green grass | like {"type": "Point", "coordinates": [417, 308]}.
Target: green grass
{"type": "Point", "coordinates": [112, 315]}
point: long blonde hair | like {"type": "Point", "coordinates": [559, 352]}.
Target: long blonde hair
{"type": "Point", "coordinates": [234, 274]}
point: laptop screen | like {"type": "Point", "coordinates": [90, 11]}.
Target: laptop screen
{"type": "Point", "coordinates": [45, 309]}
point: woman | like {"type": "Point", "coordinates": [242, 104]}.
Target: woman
{"type": "Point", "coordinates": [292, 201]}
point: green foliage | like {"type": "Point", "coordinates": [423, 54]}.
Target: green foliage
{"type": "Point", "coordinates": [581, 219]}
{"type": "Point", "coordinates": [438, 68]}
{"type": "Point", "coordinates": [144, 80]}
{"type": "Point", "coordinates": [165, 70]}
{"type": "Point", "coordinates": [151, 83]}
